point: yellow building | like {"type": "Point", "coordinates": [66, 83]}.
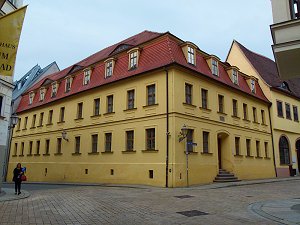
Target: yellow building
{"type": "Point", "coordinates": [118, 116]}
{"type": "Point", "coordinates": [285, 96]}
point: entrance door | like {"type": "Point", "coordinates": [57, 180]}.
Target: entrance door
{"type": "Point", "coordinates": [219, 152]}
{"type": "Point", "coordinates": [298, 153]}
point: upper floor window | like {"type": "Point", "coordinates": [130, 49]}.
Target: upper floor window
{"type": "Point", "coordinates": [254, 115]}
{"type": "Point", "coordinates": [108, 140]}
{"type": "Point", "coordinates": [110, 104]}
{"type": "Point", "coordinates": [133, 59]}
{"type": "Point", "coordinates": [279, 109]}
{"type": "Point", "coordinates": [129, 140]}
{"type": "Point", "coordinates": [62, 114]}
{"type": "Point", "coordinates": [191, 55]}
{"type": "Point", "coordinates": [68, 84]}
{"type": "Point", "coordinates": [77, 145]}
{"type": "Point", "coordinates": [31, 97]}
{"type": "Point", "coordinates": [86, 76]}
{"type": "Point", "coordinates": [235, 77]}
{"type": "Point", "coordinates": [97, 107]}
{"type": "Point", "coordinates": [263, 118]}
{"type": "Point", "coordinates": [54, 89]}
{"type": "Point", "coordinates": [252, 85]}
{"type": "Point", "coordinates": [130, 99]}
{"type": "Point", "coordinates": [151, 94]}
{"type": "Point", "coordinates": [221, 103]}
{"type": "Point", "coordinates": [50, 116]}
{"type": "Point", "coordinates": [189, 139]}
{"type": "Point", "coordinates": [234, 107]}
{"type": "Point", "coordinates": [1, 104]}
{"type": "Point", "coordinates": [79, 110]}
{"type": "Point", "coordinates": [204, 98]}
{"type": "Point", "coordinates": [295, 9]}
{"type": "Point", "coordinates": [288, 111]}
{"type": "Point", "coordinates": [205, 136]}
{"type": "Point", "coordinates": [188, 93]}
{"type": "Point", "coordinates": [245, 111]}
{"type": "Point", "coordinates": [295, 112]}
{"type": "Point", "coordinates": [42, 94]}
{"type": "Point", "coordinates": [108, 68]}
{"type": "Point", "coordinates": [150, 139]}
{"type": "Point", "coordinates": [214, 67]}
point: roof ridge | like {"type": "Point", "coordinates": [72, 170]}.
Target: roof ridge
{"type": "Point", "coordinates": [170, 49]}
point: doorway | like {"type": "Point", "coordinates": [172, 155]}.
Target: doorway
{"type": "Point", "coordinates": [219, 152]}
{"type": "Point", "coordinates": [298, 153]}
{"type": "Point", "coordinates": [223, 150]}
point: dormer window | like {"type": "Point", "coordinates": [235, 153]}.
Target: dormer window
{"type": "Point", "coordinates": [235, 77]}
{"type": "Point", "coordinates": [133, 59]}
{"type": "Point", "coordinates": [214, 67]}
{"type": "Point", "coordinates": [68, 84]}
{"type": "Point", "coordinates": [42, 94]}
{"type": "Point", "coordinates": [31, 97]}
{"type": "Point", "coordinates": [54, 89]}
{"type": "Point", "coordinates": [191, 55]}
{"type": "Point", "coordinates": [109, 68]}
{"type": "Point", "coordinates": [86, 76]}
{"type": "Point", "coordinates": [252, 85]}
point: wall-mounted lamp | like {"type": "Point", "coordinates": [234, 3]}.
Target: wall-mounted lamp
{"type": "Point", "coordinates": [64, 135]}
{"type": "Point", "coordinates": [14, 120]}
{"type": "Point", "coordinates": [183, 133]}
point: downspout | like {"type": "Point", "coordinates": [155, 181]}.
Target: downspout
{"type": "Point", "coordinates": [167, 127]}
{"type": "Point", "coordinates": [272, 139]}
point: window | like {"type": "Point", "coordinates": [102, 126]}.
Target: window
{"type": "Point", "coordinates": [109, 69]}
{"type": "Point", "coordinates": [94, 143]}
{"type": "Point", "coordinates": [30, 147]}
{"type": "Point", "coordinates": [214, 66]}
{"type": "Point", "coordinates": [54, 90]}
{"type": "Point", "coordinates": [41, 119]}
{"type": "Point", "coordinates": [31, 97]}
{"type": "Point", "coordinates": [266, 150]}
{"type": "Point", "coordinates": [133, 60]}
{"type": "Point", "coordinates": [221, 103]}
{"type": "Point", "coordinates": [258, 148]}
{"type": "Point", "coordinates": [288, 111]}
{"type": "Point", "coordinates": [50, 116]}
{"type": "Point", "coordinates": [19, 124]}
{"type": "Point", "coordinates": [33, 121]}
{"type": "Point", "coordinates": [234, 108]}
{"type": "Point", "coordinates": [16, 149]}
{"type": "Point", "coordinates": [295, 112]}
{"type": "Point", "coordinates": [42, 94]}
{"type": "Point", "coordinates": [188, 93]}
{"type": "Point", "coordinates": [237, 145]}
{"type": "Point", "coordinates": [245, 111]}
{"type": "Point", "coordinates": [86, 76]}
{"type": "Point", "coordinates": [295, 9]}
{"type": "Point", "coordinates": [22, 148]}
{"type": "Point", "coordinates": [252, 85]}
{"type": "Point", "coordinates": [263, 118]}
{"type": "Point", "coordinates": [191, 55]}
{"type": "Point", "coordinates": [38, 143]}
{"type": "Point", "coordinates": [205, 141]}
{"type": "Point", "coordinates": [189, 139]}
{"type": "Point", "coordinates": [62, 114]}
{"type": "Point", "coordinates": [108, 140]}
{"type": "Point", "coordinates": [130, 99]}
{"type": "Point", "coordinates": [150, 139]}
{"type": "Point", "coordinates": [47, 146]}
{"type": "Point", "coordinates": [254, 114]}
{"type": "Point", "coordinates": [58, 146]}
{"type": "Point", "coordinates": [79, 110]}
{"type": "Point", "coordinates": [97, 107]}
{"type": "Point", "coordinates": [68, 84]}
{"type": "Point", "coordinates": [1, 104]}
{"type": "Point", "coordinates": [110, 104]}
{"type": "Point", "coordinates": [204, 98]}
{"type": "Point", "coordinates": [25, 122]}
{"type": "Point", "coordinates": [279, 109]}
{"type": "Point", "coordinates": [151, 94]}
{"type": "Point", "coordinates": [284, 151]}
{"type": "Point", "coordinates": [129, 140]}
{"type": "Point", "coordinates": [248, 147]}
{"type": "Point", "coordinates": [235, 77]}
{"type": "Point", "coordinates": [77, 144]}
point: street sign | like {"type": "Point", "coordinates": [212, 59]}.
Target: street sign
{"type": "Point", "coordinates": [192, 143]}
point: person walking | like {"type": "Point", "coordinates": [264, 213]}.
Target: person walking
{"type": "Point", "coordinates": [18, 172]}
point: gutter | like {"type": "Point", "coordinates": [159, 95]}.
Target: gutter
{"type": "Point", "coordinates": [271, 127]}
{"type": "Point", "coordinates": [167, 127]}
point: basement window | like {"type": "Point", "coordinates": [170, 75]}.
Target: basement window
{"type": "Point", "coordinates": [151, 175]}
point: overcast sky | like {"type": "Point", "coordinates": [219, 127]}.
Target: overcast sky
{"type": "Point", "coordinates": [68, 31]}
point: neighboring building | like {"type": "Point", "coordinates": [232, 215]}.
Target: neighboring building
{"type": "Point", "coordinates": [285, 98]}
{"type": "Point", "coordinates": [286, 37]}
{"type": "Point", "coordinates": [116, 117]}
{"type": "Point", "coordinates": [6, 88]}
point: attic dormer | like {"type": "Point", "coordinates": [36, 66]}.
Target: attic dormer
{"type": "Point", "coordinates": [213, 63]}
{"type": "Point", "coordinates": [233, 73]}
{"type": "Point", "coordinates": [109, 67]}
{"type": "Point", "coordinates": [134, 55]}
{"type": "Point", "coordinates": [251, 81]}
{"type": "Point", "coordinates": [42, 93]}
{"type": "Point", "coordinates": [31, 97]}
{"type": "Point", "coordinates": [189, 51]}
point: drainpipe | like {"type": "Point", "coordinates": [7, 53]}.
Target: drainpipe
{"type": "Point", "coordinates": [272, 139]}
{"type": "Point", "coordinates": [167, 128]}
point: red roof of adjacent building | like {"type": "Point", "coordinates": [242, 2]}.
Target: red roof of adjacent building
{"type": "Point", "coordinates": [163, 51]}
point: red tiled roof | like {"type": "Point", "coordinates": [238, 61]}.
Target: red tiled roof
{"type": "Point", "coordinates": [156, 54]}
{"type": "Point", "coordinates": [268, 71]}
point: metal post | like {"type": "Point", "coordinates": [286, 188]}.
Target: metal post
{"type": "Point", "coordinates": [187, 162]}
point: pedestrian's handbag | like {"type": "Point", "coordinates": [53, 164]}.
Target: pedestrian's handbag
{"type": "Point", "coordinates": [23, 178]}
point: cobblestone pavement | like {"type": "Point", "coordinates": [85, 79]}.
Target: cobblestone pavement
{"type": "Point", "coordinates": [150, 205]}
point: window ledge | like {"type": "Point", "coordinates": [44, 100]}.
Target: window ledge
{"type": "Point", "coordinates": [2, 117]}
{"type": "Point", "coordinates": [236, 117]}
{"type": "Point", "coordinates": [267, 157]}
{"type": "Point", "coordinates": [95, 116]}
{"type": "Point", "coordinates": [49, 124]}
{"type": "Point", "coordinates": [107, 152]}
{"type": "Point", "coordinates": [59, 153]}
{"type": "Point", "coordinates": [152, 105]}
{"type": "Point", "coordinates": [297, 121]}
{"type": "Point", "coordinates": [18, 130]}
{"type": "Point", "coordinates": [132, 68]}
{"type": "Point", "coordinates": [222, 113]}
{"type": "Point", "coordinates": [14, 156]}
{"type": "Point", "coordinates": [39, 126]}
{"type": "Point", "coordinates": [246, 120]}
{"type": "Point", "coordinates": [24, 129]}
{"type": "Point", "coordinates": [31, 128]}
{"type": "Point", "coordinates": [128, 151]}
{"type": "Point", "coordinates": [206, 153]}
{"type": "Point", "coordinates": [289, 118]}
{"type": "Point", "coordinates": [205, 109]}
{"type": "Point", "coordinates": [189, 105]}
{"type": "Point", "coordinates": [249, 156]}
{"type": "Point", "coordinates": [21, 155]}
{"type": "Point", "coordinates": [257, 123]}
{"type": "Point", "coordinates": [93, 153]}
{"type": "Point", "coordinates": [29, 155]}
{"type": "Point", "coordinates": [128, 110]}
{"type": "Point", "coordinates": [281, 164]}
{"type": "Point", "coordinates": [150, 150]}
{"type": "Point", "coordinates": [258, 157]}
{"type": "Point", "coordinates": [191, 153]}
{"type": "Point", "coordinates": [60, 122]}
{"type": "Point", "coordinates": [108, 113]}
{"type": "Point", "coordinates": [37, 154]}
{"type": "Point", "coordinates": [280, 116]}
{"type": "Point", "coordinates": [76, 153]}
{"type": "Point", "coordinates": [46, 154]}
{"type": "Point", "coordinates": [239, 156]}
{"type": "Point", "coordinates": [79, 119]}
{"type": "Point", "coordinates": [264, 124]}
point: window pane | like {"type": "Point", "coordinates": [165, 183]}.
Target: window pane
{"type": "Point", "coordinates": [150, 135]}
{"type": "Point", "coordinates": [151, 94]}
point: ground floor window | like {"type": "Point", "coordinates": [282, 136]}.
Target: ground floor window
{"type": "Point", "coordinates": [284, 151]}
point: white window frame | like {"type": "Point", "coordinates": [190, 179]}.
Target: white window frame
{"type": "Point", "coordinates": [54, 90]}
{"type": "Point", "coordinates": [252, 86]}
{"type": "Point", "coordinates": [31, 97]}
{"type": "Point", "coordinates": [133, 59]}
{"type": "Point", "coordinates": [2, 105]}
{"type": "Point", "coordinates": [86, 76]}
{"type": "Point", "coordinates": [235, 78]}
{"type": "Point", "coordinates": [109, 68]}
{"type": "Point", "coordinates": [68, 79]}
{"type": "Point", "coordinates": [215, 67]}
{"type": "Point", "coordinates": [191, 55]}
{"type": "Point", "coordinates": [42, 94]}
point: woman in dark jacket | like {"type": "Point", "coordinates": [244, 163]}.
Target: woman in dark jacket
{"type": "Point", "coordinates": [17, 178]}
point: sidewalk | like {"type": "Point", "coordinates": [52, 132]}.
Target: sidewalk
{"type": "Point", "coordinates": [8, 194]}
